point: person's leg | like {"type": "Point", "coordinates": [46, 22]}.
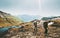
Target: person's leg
{"type": "Point", "coordinates": [35, 31]}
{"type": "Point", "coordinates": [46, 30]}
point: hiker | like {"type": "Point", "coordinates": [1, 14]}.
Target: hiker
{"type": "Point", "coordinates": [45, 25]}
{"type": "Point", "coordinates": [35, 27]}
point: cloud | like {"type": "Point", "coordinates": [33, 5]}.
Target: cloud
{"type": "Point", "coordinates": [51, 5]}
{"type": "Point", "coordinates": [21, 4]}
{"type": "Point", "coordinates": [31, 7]}
{"type": "Point", "coordinates": [22, 12]}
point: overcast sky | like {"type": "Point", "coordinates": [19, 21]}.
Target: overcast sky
{"type": "Point", "coordinates": [31, 7]}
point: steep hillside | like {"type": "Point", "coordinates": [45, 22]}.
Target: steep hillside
{"type": "Point", "coordinates": [8, 20]}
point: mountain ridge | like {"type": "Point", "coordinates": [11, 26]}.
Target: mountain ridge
{"type": "Point", "coordinates": [8, 20]}
{"type": "Point", "coordinates": [27, 18]}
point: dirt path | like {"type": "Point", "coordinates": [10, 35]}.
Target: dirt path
{"type": "Point", "coordinates": [53, 32]}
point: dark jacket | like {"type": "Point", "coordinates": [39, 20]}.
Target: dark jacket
{"type": "Point", "coordinates": [45, 24]}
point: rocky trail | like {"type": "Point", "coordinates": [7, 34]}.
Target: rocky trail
{"type": "Point", "coordinates": [53, 32]}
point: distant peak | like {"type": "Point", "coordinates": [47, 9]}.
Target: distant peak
{"type": "Point", "coordinates": [4, 13]}
{"type": "Point", "coordinates": [1, 12]}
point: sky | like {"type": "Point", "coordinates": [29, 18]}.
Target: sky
{"type": "Point", "coordinates": [31, 7]}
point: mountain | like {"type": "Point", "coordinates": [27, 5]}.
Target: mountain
{"type": "Point", "coordinates": [8, 20]}
{"type": "Point", "coordinates": [27, 18]}
{"type": "Point", "coordinates": [49, 18]}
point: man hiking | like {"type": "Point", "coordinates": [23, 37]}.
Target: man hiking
{"type": "Point", "coordinates": [45, 25]}
{"type": "Point", "coordinates": [35, 27]}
